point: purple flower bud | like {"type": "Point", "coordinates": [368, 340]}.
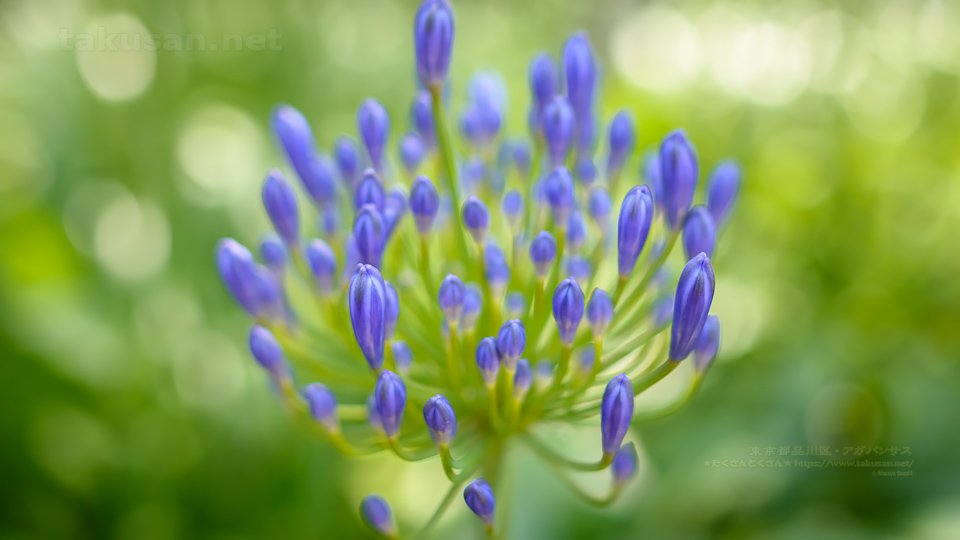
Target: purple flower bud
{"type": "Point", "coordinates": [699, 232]}
{"type": "Point", "coordinates": [394, 208]}
{"type": "Point", "coordinates": [267, 351]}
{"type": "Point", "coordinates": [369, 234]}
{"type": "Point", "coordinates": [512, 206]}
{"type": "Point", "coordinates": [480, 124]}
{"type": "Point", "coordinates": [488, 360]}
{"type": "Point", "coordinates": [568, 309]}
{"type": "Point", "coordinates": [543, 375]}
{"type": "Point", "coordinates": [586, 171]}
{"type": "Point", "coordinates": [451, 297]}
{"type": "Point", "coordinates": [543, 79]}
{"type": "Point", "coordinates": [707, 344]}
{"type": "Point", "coordinates": [586, 132]}
{"type": "Point", "coordinates": [678, 176]}
{"type": "Point", "coordinates": [441, 421]}
{"type": "Point", "coordinates": [402, 356]}
{"type": "Point", "coordinates": [433, 41]}
{"type": "Point", "coordinates": [321, 185]}
{"type": "Point", "coordinates": [373, 124]}
{"type": "Point", "coordinates": [522, 379]}
{"type": "Point", "coordinates": [636, 215]}
{"type": "Point", "coordinates": [691, 305]}
{"type": "Point", "coordinates": [391, 312]}
{"type": "Point", "coordinates": [599, 206]}
{"type": "Point", "coordinates": [625, 464]}
{"type": "Point", "coordinates": [599, 312]}
{"type": "Point", "coordinates": [479, 498]}
{"type": "Point", "coordinates": [367, 302]}
{"type": "Point", "coordinates": [472, 173]}
{"type": "Point", "coordinates": [476, 218]}
{"type": "Point", "coordinates": [723, 189]}
{"type": "Point", "coordinates": [558, 126]}
{"type": "Point", "coordinates": [586, 357]}
{"type": "Point", "coordinates": [511, 340]}
{"type": "Point", "coordinates": [373, 417]}
{"type": "Point", "coordinates": [424, 203]}
{"type": "Point", "coordinates": [238, 271]}
{"type": "Point", "coordinates": [323, 264]}
{"type": "Point", "coordinates": [273, 253]}
{"type": "Point", "coordinates": [543, 250]}
{"type": "Point", "coordinates": [579, 268]}
{"type": "Point", "coordinates": [616, 412]}
{"type": "Point", "coordinates": [650, 171]}
{"type": "Point", "coordinates": [623, 137]}
{"type": "Point", "coordinates": [412, 151]}
{"type": "Point", "coordinates": [472, 304]}
{"type": "Point", "coordinates": [348, 160]}
{"type": "Point", "coordinates": [377, 515]}
{"type": "Point", "coordinates": [370, 190]}
{"type": "Point", "coordinates": [294, 135]}
{"type": "Point", "coordinates": [496, 270]}
{"type": "Point", "coordinates": [516, 304]}
{"type": "Point", "coordinates": [559, 190]}
{"type": "Point", "coordinates": [422, 115]}
{"type": "Point", "coordinates": [579, 74]}
{"type": "Point", "coordinates": [390, 398]}
{"type": "Point", "coordinates": [576, 231]}
{"type": "Point", "coordinates": [323, 405]}
{"type": "Point", "coordinates": [521, 157]}
{"type": "Point", "coordinates": [663, 312]}
{"type": "Point", "coordinates": [280, 202]}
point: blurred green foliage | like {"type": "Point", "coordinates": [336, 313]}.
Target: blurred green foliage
{"type": "Point", "coordinates": [131, 410]}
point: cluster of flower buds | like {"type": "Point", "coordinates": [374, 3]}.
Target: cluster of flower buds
{"type": "Point", "coordinates": [460, 331]}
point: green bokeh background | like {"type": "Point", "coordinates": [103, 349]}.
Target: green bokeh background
{"type": "Point", "coordinates": [129, 407]}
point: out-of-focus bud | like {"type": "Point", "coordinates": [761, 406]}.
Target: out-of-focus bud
{"type": "Point", "coordinates": [369, 234]}
{"type": "Point", "coordinates": [488, 360]}
{"type": "Point", "coordinates": [267, 351]}
{"type": "Point", "coordinates": [412, 151]}
{"type": "Point", "coordinates": [625, 464]}
{"type": "Point", "coordinates": [370, 190]}
{"type": "Point", "coordinates": [599, 207]}
{"type": "Point", "coordinates": [472, 173]}
{"type": "Point", "coordinates": [394, 208]}
{"type": "Point", "coordinates": [543, 250]}
{"type": "Point", "coordinates": [586, 171]}
{"type": "Point", "coordinates": [579, 269]}
{"type": "Point", "coordinates": [580, 75]}
{"type": "Point", "coordinates": [280, 201]}
{"type": "Point", "coordinates": [479, 498]}
{"type": "Point", "coordinates": [433, 41]}
{"type": "Point", "coordinates": [599, 312]}
{"type": "Point", "coordinates": [699, 232]}
{"type": "Point", "coordinates": [402, 356]}
{"type": "Point", "coordinates": [650, 171]}
{"type": "Point", "coordinates": [373, 417]}
{"type": "Point", "coordinates": [373, 124]}
{"type": "Point", "coordinates": [441, 421]}
{"type": "Point", "coordinates": [663, 312]}
{"type": "Point", "coordinates": [521, 157]}
{"type": "Point", "coordinates": [723, 189]}
{"type": "Point", "coordinates": [522, 379]}
{"type": "Point", "coordinates": [543, 79]}
{"type": "Point", "coordinates": [367, 305]}
{"type": "Point", "coordinates": [495, 269]}
{"type": "Point", "coordinates": [616, 412]}
{"type": "Point", "coordinates": [691, 305]}
{"type": "Point", "coordinates": [377, 515]}
{"type": "Point", "coordinates": [558, 125]}
{"type": "Point", "coordinates": [623, 137]}
{"type": "Point", "coordinates": [568, 309]}
{"type": "Point", "coordinates": [472, 304]}
{"type": "Point", "coordinates": [391, 312]}
{"type": "Point", "coordinates": [390, 398]}
{"type": "Point", "coordinates": [516, 304]}
{"type": "Point", "coordinates": [512, 206]}
{"type": "Point", "coordinates": [238, 271]}
{"type": "Point", "coordinates": [511, 340]}
{"type": "Point", "coordinates": [543, 375]}
{"type": "Point", "coordinates": [476, 218]}
{"type": "Point", "coordinates": [560, 194]}
{"type": "Point", "coordinates": [294, 135]}
{"type": "Point", "coordinates": [348, 160]}
{"type": "Point", "coordinates": [421, 113]}
{"type": "Point", "coordinates": [633, 227]}
{"type": "Point", "coordinates": [274, 253]}
{"type": "Point", "coordinates": [323, 264]}
{"type": "Point", "coordinates": [424, 203]}
{"type": "Point", "coordinates": [678, 176]}
{"type": "Point", "coordinates": [323, 405]}
{"type": "Point", "coordinates": [707, 345]}
{"type": "Point", "coordinates": [576, 231]}
{"type": "Point", "coordinates": [451, 297]}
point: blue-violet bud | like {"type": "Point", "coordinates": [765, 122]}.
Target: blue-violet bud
{"type": "Point", "coordinates": [723, 189]}
{"type": "Point", "coordinates": [377, 515]}
{"type": "Point", "coordinates": [441, 421]}
{"type": "Point", "coordinates": [323, 405]}
{"type": "Point", "coordinates": [424, 203]}
{"type": "Point", "coordinates": [707, 344]}
{"type": "Point", "coordinates": [280, 201]}
{"type": "Point", "coordinates": [488, 360]}
{"type": "Point", "coordinates": [568, 309]}
{"type": "Point", "coordinates": [476, 218]}
{"type": "Point", "coordinates": [633, 227]}
{"type": "Point", "coordinates": [691, 305]}
{"type": "Point", "coordinates": [433, 41]}
{"type": "Point", "coordinates": [323, 264]}
{"type": "Point", "coordinates": [390, 398]}
{"type": "Point", "coordinates": [391, 312]}
{"type": "Point", "coordinates": [599, 312]}
{"type": "Point", "coordinates": [625, 464]}
{"type": "Point", "coordinates": [699, 232]}
{"type": "Point", "coordinates": [560, 194]}
{"type": "Point", "coordinates": [373, 124]}
{"type": "Point", "coordinates": [451, 297]}
{"type": "Point", "coordinates": [616, 412]}
{"type": "Point", "coordinates": [267, 351]}
{"type": "Point", "coordinates": [479, 498]}
{"type": "Point", "coordinates": [367, 303]}
{"type": "Point", "coordinates": [369, 235]}
{"type": "Point", "coordinates": [678, 176]}
{"type": "Point", "coordinates": [558, 126]}
{"type": "Point", "coordinates": [511, 340]}
{"type": "Point", "coordinates": [543, 250]}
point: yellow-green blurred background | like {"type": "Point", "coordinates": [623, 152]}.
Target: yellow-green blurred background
{"type": "Point", "coordinates": [129, 407]}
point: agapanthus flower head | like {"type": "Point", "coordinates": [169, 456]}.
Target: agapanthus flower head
{"type": "Point", "coordinates": [616, 412]}
{"type": "Point", "coordinates": [636, 216]}
{"type": "Point", "coordinates": [699, 232]}
{"type": "Point", "coordinates": [280, 201]}
{"type": "Point", "coordinates": [323, 405]}
{"type": "Point", "coordinates": [480, 499]}
{"type": "Point", "coordinates": [433, 40]}
{"type": "Point", "coordinates": [568, 309]}
{"type": "Point", "coordinates": [266, 350]}
{"type": "Point", "coordinates": [323, 264]}
{"type": "Point", "coordinates": [440, 419]}
{"type": "Point", "coordinates": [377, 515]}
{"type": "Point", "coordinates": [367, 303]}
{"type": "Point", "coordinates": [424, 203]}
{"type": "Point", "coordinates": [691, 305]}
{"type": "Point", "coordinates": [678, 176]}
{"type": "Point", "coordinates": [373, 123]}
{"type": "Point", "coordinates": [723, 189]}
{"type": "Point", "coordinates": [390, 398]}
{"type": "Point", "coordinates": [625, 464]}
{"type": "Point", "coordinates": [708, 343]}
